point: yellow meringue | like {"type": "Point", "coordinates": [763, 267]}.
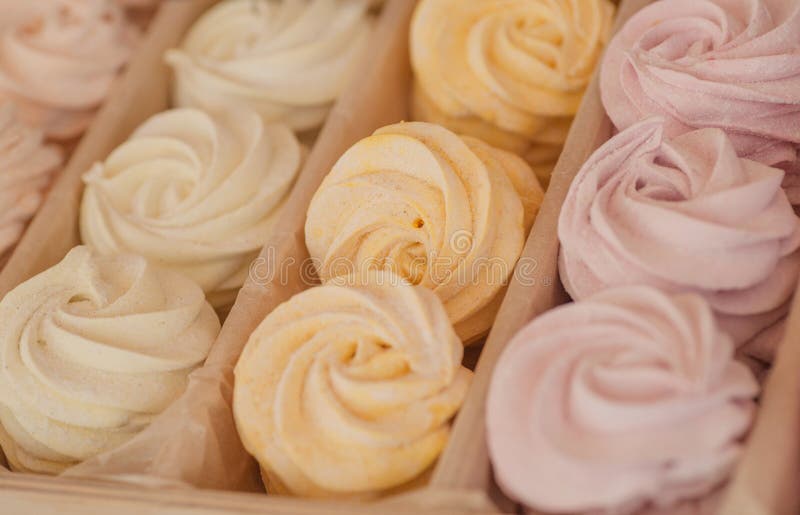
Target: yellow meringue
{"type": "Point", "coordinates": [348, 388]}
{"type": "Point", "coordinates": [446, 212]}
{"type": "Point", "coordinates": [90, 351]}
{"type": "Point", "coordinates": [511, 72]}
{"type": "Point", "coordinates": [287, 60]}
{"type": "Point", "coordinates": [194, 192]}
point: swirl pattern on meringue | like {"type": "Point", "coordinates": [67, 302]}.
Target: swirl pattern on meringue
{"type": "Point", "coordinates": [348, 388]}
{"type": "Point", "coordinates": [627, 398]}
{"type": "Point", "coordinates": [728, 64]}
{"type": "Point", "coordinates": [60, 59]}
{"type": "Point", "coordinates": [511, 72]}
{"type": "Point", "coordinates": [288, 61]}
{"type": "Point", "coordinates": [685, 214]}
{"type": "Point", "coordinates": [446, 212]}
{"type": "Point", "coordinates": [194, 192]}
{"type": "Point", "coordinates": [27, 167]}
{"type": "Point", "coordinates": [90, 351]}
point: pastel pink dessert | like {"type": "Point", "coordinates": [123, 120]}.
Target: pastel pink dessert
{"type": "Point", "coordinates": [629, 399]}
{"type": "Point", "coordinates": [27, 167]}
{"type": "Point", "coordinates": [59, 59]}
{"type": "Point", "coordinates": [684, 215]}
{"type": "Point", "coordinates": [729, 64]}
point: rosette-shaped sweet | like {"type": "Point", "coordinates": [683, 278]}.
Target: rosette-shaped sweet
{"type": "Point", "coordinates": [287, 60]}
{"type": "Point", "coordinates": [627, 398]}
{"type": "Point", "coordinates": [446, 212]}
{"type": "Point", "coordinates": [193, 192]}
{"type": "Point", "coordinates": [60, 58]}
{"type": "Point", "coordinates": [511, 72]}
{"type": "Point", "coordinates": [684, 214]}
{"type": "Point", "coordinates": [348, 388]}
{"type": "Point", "coordinates": [90, 351]}
{"type": "Point", "coordinates": [729, 64]}
{"type": "Point", "coordinates": [26, 168]}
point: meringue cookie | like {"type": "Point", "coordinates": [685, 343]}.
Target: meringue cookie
{"type": "Point", "coordinates": [348, 388]}
{"type": "Point", "coordinates": [59, 60]}
{"type": "Point", "coordinates": [684, 214]}
{"type": "Point", "coordinates": [729, 64]}
{"type": "Point", "coordinates": [287, 60]}
{"type": "Point", "coordinates": [511, 72]}
{"type": "Point", "coordinates": [27, 167]}
{"type": "Point", "coordinates": [193, 192]}
{"type": "Point", "coordinates": [627, 398]}
{"type": "Point", "coordinates": [90, 351]}
{"type": "Point", "coordinates": [445, 212]}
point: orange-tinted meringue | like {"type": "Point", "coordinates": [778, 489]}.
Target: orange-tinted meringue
{"type": "Point", "coordinates": [287, 60]}
{"type": "Point", "coordinates": [683, 214]}
{"type": "Point", "coordinates": [59, 60]}
{"type": "Point", "coordinates": [627, 398]}
{"type": "Point", "coordinates": [511, 72]}
{"type": "Point", "coordinates": [349, 388]}
{"type": "Point", "coordinates": [450, 213]}
{"type": "Point", "coordinates": [729, 64]}
{"type": "Point", "coordinates": [27, 167]}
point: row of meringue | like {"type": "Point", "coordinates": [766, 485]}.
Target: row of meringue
{"type": "Point", "coordinates": [511, 72]}
{"type": "Point", "coordinates": [347, 389]}
{"type": "Point", "coordinates": [679, 244]}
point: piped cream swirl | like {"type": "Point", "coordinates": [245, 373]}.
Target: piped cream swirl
{"type": "Point", "coordinates": [728, 64]}
{"type": "Point", "coordinates": [60, 59]}
{"type": "Point", "coordinates": [288, 60]}
{"type": "Point", "coordinates": [627, 398]}
{"type": "Point", "coordinates": [348, 388]}
{"type": "Point", "coordinates": [511, 72]}
{"type": "Point", "coordinates": [683, 214]}
{"type": "Point", "coordinates": [446, 212]}
{"type": "Point", "coordinates": [90, 351]}
{"type": "Point", "coordinates": [194, 192]}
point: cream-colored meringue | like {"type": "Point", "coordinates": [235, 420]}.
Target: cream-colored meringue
{"type": "Point", "coordinates": [629, 397]}
{"type": "Point", "coordinates": [511, 72]}
{"type": "Point", "coordinates": [193, 192]}
{"type": "Point", "coordinates": [286, 60]}
{"type": "Point", "coordinates": [27, 167]}
{"type": "Point", "coordinates": [683, 214]}
{"type": "Point", "coordinates": [348, 388]}
{"type": "Point", "coordinates": [90, 351]}
{"type": "Point", "coordinates": [728, 64]}
{"type": "Point", "coordinates": [446, 212]}
{"type": "Point", "coordinates": [60, 58]}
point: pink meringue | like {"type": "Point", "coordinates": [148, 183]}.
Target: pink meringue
{"type": "Point", "coordinates": [26, 168]}
{"type": "Point", "coordinates": [683, 215]}
{"type": "Point", "coordinates": [729, 64]}
{"type": "Point", "coordinates": [626, 399]}
{"type": "Point", "coordinates": [59, 58]}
